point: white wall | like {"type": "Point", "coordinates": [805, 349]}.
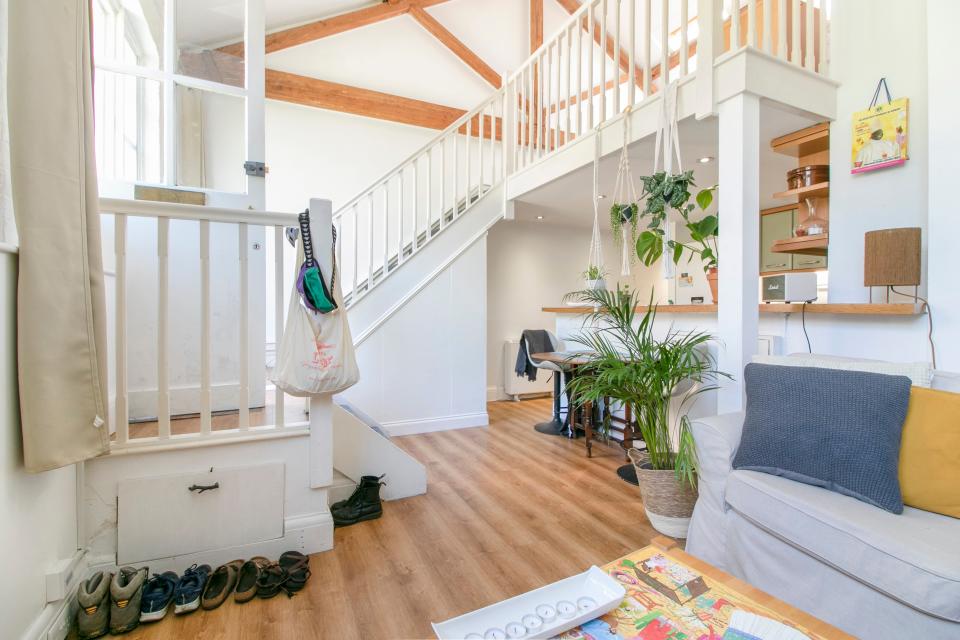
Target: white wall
{"type": "Point", "coordinates": [423, 369]}
{"type": "Point", "coordinates": [38, 517]}
{"type": "Point", "coordinates": [886, 198]}
{"type": "Point", "coordinates": [943, 16]}
{"type": "Point", "coordinates": [531, 265]}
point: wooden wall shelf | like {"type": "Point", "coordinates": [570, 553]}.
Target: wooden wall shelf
{"type": "Point", "coordinates": [805, 142]}
{"type": "Point", "coordinates": [807, 245]}
{"type": "Point", "coordinates": [853, 308]}
{"type": "Point", "coordinates": [819, 190]}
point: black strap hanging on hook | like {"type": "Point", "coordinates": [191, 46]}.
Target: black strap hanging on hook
{"type": "Point", "coordinates": [304, 219]}
{"type": "Point", "coordinates": [876, 93]}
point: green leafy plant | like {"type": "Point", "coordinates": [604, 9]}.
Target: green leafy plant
{"type": "Point", "coordinates": [621, 214]}
{"type": "Point", "coordinates": [626, 363]}
{"type": "Point", "coordinates": [594, 272]}
{"type": "Point", "coordinates": [664, 192]}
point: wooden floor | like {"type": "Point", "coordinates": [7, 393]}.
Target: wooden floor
{"type": "Point", "coordinates": [506, 510]}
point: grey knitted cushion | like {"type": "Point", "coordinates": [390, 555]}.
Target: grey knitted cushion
{"type": "Point", "coordinates": [834, 429]}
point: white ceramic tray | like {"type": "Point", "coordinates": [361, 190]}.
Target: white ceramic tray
{"type": "Point", "coordinates": [541, 613]}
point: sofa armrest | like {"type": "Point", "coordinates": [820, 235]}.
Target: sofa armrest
{"type": "Point", "coordinates": [717, 439]}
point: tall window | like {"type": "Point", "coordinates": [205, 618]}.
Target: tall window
{"type": "Point", "coordinates": [174, 117]}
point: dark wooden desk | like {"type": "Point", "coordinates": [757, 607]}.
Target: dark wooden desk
{"type": "Point", "coordinates": [569, 361]}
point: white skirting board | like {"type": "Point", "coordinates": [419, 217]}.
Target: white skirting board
{"type": "Point", "coordinates": [309, 533]}
{"type": "Point", "coordinates": [429, 425]}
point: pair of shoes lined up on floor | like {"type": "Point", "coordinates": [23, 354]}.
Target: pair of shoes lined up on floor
{"type": "Point", "coordinates": [119, 603]}
{"type": "Point", "coordinates": [363, 504]}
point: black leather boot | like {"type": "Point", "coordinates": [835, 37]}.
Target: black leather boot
{"type": "Point", "coordinates": [363, 504]}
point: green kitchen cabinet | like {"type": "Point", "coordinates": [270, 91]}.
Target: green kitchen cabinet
{"type": "Point", "coordinates": [780, 226]}
{"type": "Point", "coordinates": [773, 227]}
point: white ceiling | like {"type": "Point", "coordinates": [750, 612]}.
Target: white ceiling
{"type": "Point", "coordinates": [215, 22]}
{"type": "Point", "coordinates": [568, 200]}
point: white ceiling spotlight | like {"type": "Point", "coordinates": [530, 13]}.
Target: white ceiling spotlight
{"type": "Point", "coordinates": [705, 159]}
{"type": "Point", "coordinates": [539, 217]}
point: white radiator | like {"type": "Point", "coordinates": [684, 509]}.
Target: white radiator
{"type": "Point", "coordinates": [514, 385]}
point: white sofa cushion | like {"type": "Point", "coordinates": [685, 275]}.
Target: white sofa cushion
{"type": "Point", "coordinates": [920, 373]}
{"type": "Point", "coordinates": [913, 557]}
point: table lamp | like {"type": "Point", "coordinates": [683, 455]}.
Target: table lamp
{"type": "Point", "coordinates": [891, 257]}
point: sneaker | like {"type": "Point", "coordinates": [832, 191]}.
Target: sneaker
{"type": "Point", "coordinates": [190, 588]}
{"type": "Point", "coordinates": [94, 600]}
{"type": "Point", "coordinates": [126, 590]}
{"type": "Point", "coordinates": [157, 596]}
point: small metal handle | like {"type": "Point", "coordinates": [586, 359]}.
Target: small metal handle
{"type": "Point", "coordinates": [200, 488]}
{"type": "Point", "coordinates": [782, 264]}
{"type": "Point", "coordinates": [809, 261]}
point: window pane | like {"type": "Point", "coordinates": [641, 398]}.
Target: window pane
{"type": "Point", "coordinates": [210, 40]}
{"type": "Point", "coordinates": [212, 139]}
{"type": "Point", "coordinates": [128, 31]}
{"type": "Point", "coordinates": [129, 127]}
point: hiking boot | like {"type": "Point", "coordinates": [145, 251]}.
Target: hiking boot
{"type": "Point", "coordinates": [365, 481]}
{"type": "Point", "coordinates": [364, 504]}
{"type": "Point", "coordinates": [189, 589]}
{"type": "Point", "coordinates": [221, 584]}
{"type": "Point", "coordinates": [126, 591]}
{"type": "Point", "coordinates": [157, 596]}
{"type": "Point", "coordinates": [94, 600]}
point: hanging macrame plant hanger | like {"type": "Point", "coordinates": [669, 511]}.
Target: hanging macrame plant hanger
{"type": "Point", "coordinates": [668, 139]}
{"type": "Point", "coordinates": [595, 258]}
{"type": "Point", "coordinates": [626, 199]}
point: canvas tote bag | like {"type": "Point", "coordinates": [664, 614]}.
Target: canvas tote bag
{"type": "Point", "coordinates": [316, 352]}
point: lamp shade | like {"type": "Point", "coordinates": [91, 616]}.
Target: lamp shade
{"type": "Point", "coordinates": [891, 257]}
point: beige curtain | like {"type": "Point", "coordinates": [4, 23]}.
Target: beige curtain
{"type": "Point", "coordinates": [61, 329]}
{"type": "Point", "coordinates": [8, 230]}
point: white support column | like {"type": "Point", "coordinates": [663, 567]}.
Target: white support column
{"type": "Point", "coordinates": [739, 243]}
{"type": "Point", "coordinates": [321, 406]}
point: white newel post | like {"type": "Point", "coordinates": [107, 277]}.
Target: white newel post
{"type": "Point", "coordinates": [709, 44]}
{"type": "Point", "coordinates": [321, 406]}
{"type": "Point", "coordinates": [739, 242]}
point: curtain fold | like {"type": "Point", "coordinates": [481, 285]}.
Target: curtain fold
{"type": "Point", "coordinates": [61, 315]}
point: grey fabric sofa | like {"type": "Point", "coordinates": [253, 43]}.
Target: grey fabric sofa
{"type": "Point", "coordinates": [871, 573]}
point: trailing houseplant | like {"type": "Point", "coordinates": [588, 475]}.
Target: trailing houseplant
{"type": "Point", "coordinates": [625, 362]}
{"type": "Point", "coordinates": [624, 214]}
{"type": "Point", "coordinates": [663, 192]}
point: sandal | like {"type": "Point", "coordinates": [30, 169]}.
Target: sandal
{"type": "Point", "coordinates": [247, 581]}
{"type": "Point", "coordinates": [297, 567]}
{"type": "Point", "coordinates": [272, 581]}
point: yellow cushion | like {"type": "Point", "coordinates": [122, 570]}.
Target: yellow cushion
{"type": "Point", "coordinates": [930, 452]}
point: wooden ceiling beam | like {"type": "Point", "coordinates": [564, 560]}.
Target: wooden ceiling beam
{"type": "Point", "coordinates": [318, 29]}
{"type": "Point", "coordinates": [536, 24]}
{"type": "Point", "coordinates": [313, 92]}
{"type": "Point", "coordinates": [456, 46]}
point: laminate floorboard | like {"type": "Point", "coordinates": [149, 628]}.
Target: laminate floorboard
{"type": "Point", "coordinates": [506, 510]}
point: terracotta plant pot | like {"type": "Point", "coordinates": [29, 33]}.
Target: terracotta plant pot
{"type": "Point", "coordinates": [712, 276]}
{"type": "Point", "coordinates": [667, 502]}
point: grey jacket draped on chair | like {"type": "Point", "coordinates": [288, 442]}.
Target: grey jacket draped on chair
{"type": "Point", "coordinates": [61, 310]}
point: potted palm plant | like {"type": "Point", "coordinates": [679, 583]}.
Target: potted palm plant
{"type": "Point", "coordinates": [625, 362]}
{"type": "Point", "coordinates": [664, 192]}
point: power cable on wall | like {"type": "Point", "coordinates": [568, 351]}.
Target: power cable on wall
{"type": "Point", "coordinates": [926, 306]}
{"type": "Point", "coordinates": [803, 322]}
